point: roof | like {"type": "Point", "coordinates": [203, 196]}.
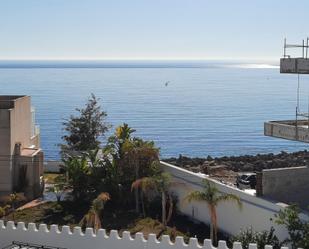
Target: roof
{"type": "Point", "coordinates": [7, 101]}
{"type": "Point", "coordinates": [10, 97]}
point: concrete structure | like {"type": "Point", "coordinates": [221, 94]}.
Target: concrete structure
{"type": "Point", "coordinates": [289, 185]}
{"type": "Point", "coordinates": [76, 239]}
{"type": "Point", "coordinates": [52, 166]}
{"type": "Point", "coordinates": [257, 212]}
{"type": "Point", "coordinates": [297, 130]}
{"type": "Point", "coordinates": [294, 65]}
{"type": "Point", "coordinates": [21, 164]}
{"type": "Point", "coordinates": [288, 129]}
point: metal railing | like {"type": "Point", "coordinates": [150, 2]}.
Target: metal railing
{"type": "Point", "coordinates": [304, 47]}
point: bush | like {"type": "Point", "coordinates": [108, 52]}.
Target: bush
{"type": "Point", "coordinates": [260, 238]}
{"type": "Point", "coordinates": [297, 228]}
{"type": "Point", "coordinates": [2, 212]}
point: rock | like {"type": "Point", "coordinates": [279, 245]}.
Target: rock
{"type": "Point", "coordinates": [244, 162]}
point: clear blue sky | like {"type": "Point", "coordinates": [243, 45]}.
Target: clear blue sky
{"type": "Point", "coordinates": [147, 29]}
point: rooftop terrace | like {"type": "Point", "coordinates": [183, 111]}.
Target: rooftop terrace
{"type": "Point", "coordinates": [7, 101]}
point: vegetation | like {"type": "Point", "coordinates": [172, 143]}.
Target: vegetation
{"type": "Point", "coordinates": [51, 213]}
{"type": "Point", "coordinates": [114, 217]}
{"type": "Point", "coordinates": [212, 197]}
{"type": "Point", "coordinates": [84, 130]}
{"type": "Point", "coordinates": [4, 210]}
{"type": "Point", "coordinates": [298, 229]}
{"type": "Point", "coordinates": [260, 238]}
{"type": "Point", "coordinates": [140, 156]}
{"type": "Point", "coordinates": [93, 217]}
{"type": "Point", "coordinates": [121, 186]}
{"type": "Point", "coordinates": [79, 174]}
{"type": "Point", "coordinates": [160, 184]}
{"type": "Point", "coordinates": [52, 178]}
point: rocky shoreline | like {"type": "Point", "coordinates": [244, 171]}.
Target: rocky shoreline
{"type": "Point", "coordinates": [245, 163]}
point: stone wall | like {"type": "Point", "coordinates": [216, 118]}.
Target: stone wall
{"type": "Point", "coordinates": [288, 185]}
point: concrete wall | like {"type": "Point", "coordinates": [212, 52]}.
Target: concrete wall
{"type": "Point", "coordinates": [52, 166]}
{"type": "Point", "coordinates": [287, 130]}
{"type": "Point", "coordinates": [289, 185]}
{"type": "Point", "coordinates": [21, 123]}
{"type": "Point", "coordinates": [256, 212]}
{"type": "Point", "coordinates": [77, 240]}
{"type": "Point", "coordinates": [5, 152]}
{"type": "Point", "coordinates": [294, 65]}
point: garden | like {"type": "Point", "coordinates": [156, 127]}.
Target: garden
{"type": "Point", "coordinates": [121, 186]}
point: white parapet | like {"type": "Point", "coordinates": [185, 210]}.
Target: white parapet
{"type": "Point", "coordinates": [76, 239]}
{"type": "Point", "coordinates": [288, 129]}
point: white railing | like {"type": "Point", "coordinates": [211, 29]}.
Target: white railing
{"type": "Point", "coordinates": [76, 239]}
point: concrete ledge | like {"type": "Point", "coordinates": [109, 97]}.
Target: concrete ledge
{"type": "Point", "coordinates": [294, 65]}
{"type": "Point", "coordinates": [287, 129]}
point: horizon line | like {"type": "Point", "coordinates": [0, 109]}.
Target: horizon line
{"type": "Point", "coordinates": [139, 59]}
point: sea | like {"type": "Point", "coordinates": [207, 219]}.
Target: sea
{"type": "Point", "coordinates": [193, 108]}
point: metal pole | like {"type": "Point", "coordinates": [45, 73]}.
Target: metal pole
{"type": "Point", "coordinates": [307, 48]}
{"type": "Point", "coordinates": [284, 54]}
{"type": "Point", "coordinates": [308, 113]}
{"type": "Point", "coordinates": [298, 88]}
{"type": "Point", "coordinates": [303, 48]}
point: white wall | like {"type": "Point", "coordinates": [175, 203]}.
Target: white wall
{"type": "Point", "coordinates": [255, 212]}
{"type": "Point", "coordinates": [89, 240]}
{"type": "Point", "coordinates": [52, 166]}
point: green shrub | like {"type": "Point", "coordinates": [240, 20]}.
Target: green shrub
{"type": "Point", "coordinates": [2, 212]}
{"type": "Point", "coordinates": [260, 238]}
{"type": "Point", "coordinates": [298, 229]}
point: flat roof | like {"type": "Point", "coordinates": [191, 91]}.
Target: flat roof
{"type": "Point", "coordinates": [7, 101]}
{"type": "Point", "coordinates": [10, 97]}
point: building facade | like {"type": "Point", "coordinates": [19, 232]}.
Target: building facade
{"type": "Point", "coordinates": [21, 158]}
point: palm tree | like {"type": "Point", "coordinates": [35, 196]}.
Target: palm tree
{"type": "Point", "coordinates": [123, 132]}
{"type": "Point", "coordinates": [212, 196]}
{"type": "Point", "coordinates": [159, 183]}
{"type": "Point", "coordinates": [140, 153]}
{"type": "Point", "coordinates": [92, 218]}
{"type": "Point", "coordinates": [116, 141]}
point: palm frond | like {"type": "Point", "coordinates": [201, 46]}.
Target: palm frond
{"type": "Point", "coordinates": [145, 184]}
{"type": "Point", "coordinates": [196, 196]}
{"type": "Point", "coordinates": [104, 196]}
{"type": "Point", "coordinates": [229, 197]}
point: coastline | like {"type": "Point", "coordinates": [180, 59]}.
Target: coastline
{"type": "Point", "coordinates": [244, 163]}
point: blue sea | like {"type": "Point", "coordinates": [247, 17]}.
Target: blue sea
{"type": "Point", "coordinates": [207, 108]}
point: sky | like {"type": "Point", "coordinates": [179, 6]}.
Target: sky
{"type": "Point", "coordinates": [150, 29]}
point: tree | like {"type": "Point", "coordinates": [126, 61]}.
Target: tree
{"type": "Point", "coordinates": [260, 238]}
{"type": "Point", "coordinates": [298, 229]}
{"type": "Point", "coordinates": [140, 156]}
{"type": "Point", "coordinates": [92, 218]}
{"type": "Point", "coordinates": [84, 130]}
{"type": "Point", "coordinates": [116, 163]}
{"type": "Point", "coordinates": [161, 184]}
{"type": "Point", "coordinates": [78, 172]}
{"type": "Point", "coordinates": [211, 195]}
